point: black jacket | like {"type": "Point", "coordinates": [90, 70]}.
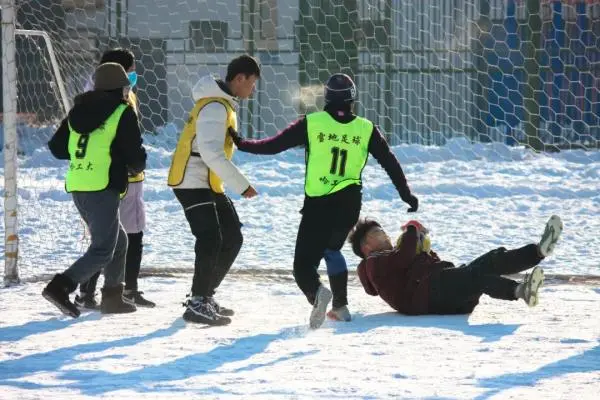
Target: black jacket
{"type": "Point", "coordinates": [90, 111]}
{"type": "Point", "coordinates": [296, 134]}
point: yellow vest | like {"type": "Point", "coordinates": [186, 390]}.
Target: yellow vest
{"type": "Point", "coordinates": [337, 153]}
{"type": "Point", "coordinates": [133, 102]}
{"type": "Point", "coordinates": [90, 158]}
{"type": "Point", "coordinates": [183, 152]}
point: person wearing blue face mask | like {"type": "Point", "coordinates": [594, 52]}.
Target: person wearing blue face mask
{"type": "Point", "coordinates": [101, 138]}
{"type": "Point", "coordinates": [131, 209]}
{"type": "Point", "coordinates": [132, 78]}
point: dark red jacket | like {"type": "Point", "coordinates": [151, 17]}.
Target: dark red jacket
{"type": "Point", "coordinates": [401, 277]}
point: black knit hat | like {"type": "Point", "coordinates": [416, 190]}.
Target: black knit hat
{"type": "Point", "coordinates": [340, 89]}
{"type": "Point", "coordinates": [110, 76]}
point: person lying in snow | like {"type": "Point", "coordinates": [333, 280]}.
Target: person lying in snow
{"type": "Point", "coordinates": [413, 280]}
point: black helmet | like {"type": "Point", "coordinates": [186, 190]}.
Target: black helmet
{"type": "Point", "coordinates": [340, 89]}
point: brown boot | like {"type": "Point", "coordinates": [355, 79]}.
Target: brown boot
{"type": "Point", "coordinates": [113, 302]}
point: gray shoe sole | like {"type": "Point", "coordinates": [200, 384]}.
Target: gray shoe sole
{"type": "Point", "coordinates": [534, 281]}
{"type": "Point", "coordinates": [71, 313]}
{"type": "Point", "coordinates": [551, 234]}
{"type": "Point", "coordinates": [319, 311]}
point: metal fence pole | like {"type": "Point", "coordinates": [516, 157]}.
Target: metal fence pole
{"type": "Point", "coordinates": [532, 69]}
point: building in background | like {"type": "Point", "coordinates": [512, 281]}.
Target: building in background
{"type": "Point", "coordinates": [426, 70]}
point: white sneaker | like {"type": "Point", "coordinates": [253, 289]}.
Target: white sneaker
{"type": "Point", "coordinates": [340, 314]}
{"type": "Point", "coordinates": [531, 284]}
{"type": "Point", "coordinates": [552, 232]}
{"type": "Point", "coordinates": [322, 299]}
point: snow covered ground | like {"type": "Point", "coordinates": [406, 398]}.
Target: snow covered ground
{"type": "Point", "coordinates": [503, 350]}
{"type": "Point", "coordinates": [474, 197]}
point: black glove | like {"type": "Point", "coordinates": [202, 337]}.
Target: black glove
{"type": "Point", "coordinates": [235, 136]}
{"type": "Point", "coordinates": [413, 202]}
{"type": "Point", "coordinates": [412, 229]}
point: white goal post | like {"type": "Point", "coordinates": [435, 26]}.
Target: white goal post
{"type": "Point", "coordinates": [9, 98]}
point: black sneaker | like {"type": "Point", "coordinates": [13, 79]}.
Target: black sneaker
{"type": "Point", "coordinates": [199, 310]}
{"type": "Point", "coordinates": [135, 297]}
{"type": "Point", "coordinates": [224, 311]}
{"type": "Point", "coordinates": [113, 301]}
{"type": "Point", "coordinates": [57, 292]}
{"type": "Point", "coordinates": [87, 301]}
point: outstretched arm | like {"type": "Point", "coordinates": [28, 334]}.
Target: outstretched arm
{"type": "Point", "coordinates": [210, 140]}
{"type": "Point", "coordinates": [294, 135]}
{"type": "Point", "coordinates": [408, 246]}
{"type": "Point", "coordinates": [379, 148]}
{"type": "Point", "coordinates": [129, 141]}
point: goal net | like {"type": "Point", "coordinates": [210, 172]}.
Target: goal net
{"type": "Point", "coordinates": [466, 80]}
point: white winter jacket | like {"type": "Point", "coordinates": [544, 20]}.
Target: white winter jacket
{"type": "Point", "coordinates": [209, 142]}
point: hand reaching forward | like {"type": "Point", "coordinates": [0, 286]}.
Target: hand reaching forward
{"type": "Point", "coordinates": [249, 193]}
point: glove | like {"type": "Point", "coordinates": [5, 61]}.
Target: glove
{"type": "Point", "coordinates": [409, 228]}
{"type": "Point", "coordinates": [423, 240]}
{"type": "Point", "coordinates": [417, 225]}
{"type": "Point", "coordinates": [413, 202]}
{"type": "Point", "coordinates": [235, 136]}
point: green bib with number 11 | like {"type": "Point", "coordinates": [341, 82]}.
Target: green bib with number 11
{"type": "Point", "coordinates": [90, 155]}
{"type": "Point", "coordinates": [337, 153]}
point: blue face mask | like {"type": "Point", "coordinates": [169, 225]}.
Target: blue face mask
{"type": "Point", "coordinates": [132, 78]}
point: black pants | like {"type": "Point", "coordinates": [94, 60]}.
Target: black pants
{"type": "Point", "coordinates": [133, 261]}
{"type": "Point", "coordinates": [217, 229]}
{"type": "Point", "coordinates": [326, 222]}
{"type": "Point", "coordinates": [457, 290]}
